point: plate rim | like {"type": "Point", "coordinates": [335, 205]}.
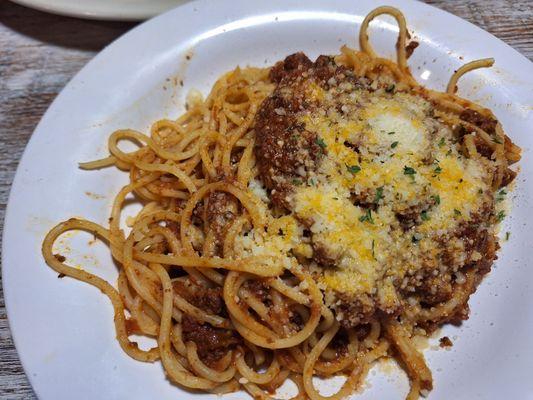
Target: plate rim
{"type": "Point", "coordinates": [16, 185]}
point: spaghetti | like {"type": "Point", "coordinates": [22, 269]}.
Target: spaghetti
{"type": "Point", "coordinates": [232, 263]}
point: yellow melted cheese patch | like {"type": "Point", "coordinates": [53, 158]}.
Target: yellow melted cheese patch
{"type": "Point", "coordinates": [386, 161]}
{"type": "Point", "coordinates": [388, 152]}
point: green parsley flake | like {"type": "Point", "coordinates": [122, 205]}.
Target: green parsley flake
{"type": "Point", "coordinates": [354, 169]}
{"type": "Point", "coordinates": [424, 216]}
{"type": "Point", "coordinates": [390, 88]}
{"type": "Point", "coordinates": [408, 170]}
{"type": "Point", "coordinates": [321, 143]}
{"type": "Point", "coordinates": [438, 170]}
{"type": "Point", "coordinates": [367, 217]}
{"type": "Point", "coordinates": [442, 142]}
{"type": "Point", "coordinates": [393, 145]}
{"type": "Point", "coordinates": [296, 182]}
{"type": "Point", "coordinates": [379, 194]}
{"type": "Point", "coordinates": [500, 216]}
{"type": "Point", "coordinates": [500, 196]}
{"type": "Point", "coordinates": [391, 133]}
{"type": "Point", "coordinates": [456, 212]}
{"type": "Point", "coordinates": [436, 198]}
{"type": "Point", "coordinates": [507, 235]}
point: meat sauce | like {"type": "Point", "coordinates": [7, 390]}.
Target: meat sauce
{"type": "Point", "coordinates": [212, 343]}
{"type": "Point", "coordinates": [287, 152]}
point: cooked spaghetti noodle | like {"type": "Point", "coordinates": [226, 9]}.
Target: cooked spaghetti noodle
{"type": "Point", "coordinates": [265, 249]}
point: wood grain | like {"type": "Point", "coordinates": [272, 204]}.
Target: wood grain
{"type": "Point", "coordinates": [39, 53]}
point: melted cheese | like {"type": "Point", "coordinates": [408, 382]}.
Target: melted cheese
{"type": "Point", "coordinates": [385, 156]}
{"type": "Point", "coordinates": [390, 166]}
{"type": "Point", "coordinates": [391, 122]}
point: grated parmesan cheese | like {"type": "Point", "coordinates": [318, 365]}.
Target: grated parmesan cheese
{"type": "Point", "coordinates": [387, 160]}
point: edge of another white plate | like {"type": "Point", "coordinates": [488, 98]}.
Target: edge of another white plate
{"type": "Point", "coordinates": [103, 9]}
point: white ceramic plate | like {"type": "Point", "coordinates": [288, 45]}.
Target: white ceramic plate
{"type": "Point", "coordinates": [63, 329]}
{"type": "Point", "coordinates": [104, 9]}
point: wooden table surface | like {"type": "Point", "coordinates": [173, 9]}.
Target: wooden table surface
{"type": "Point", "coordinates": [39, 53]}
